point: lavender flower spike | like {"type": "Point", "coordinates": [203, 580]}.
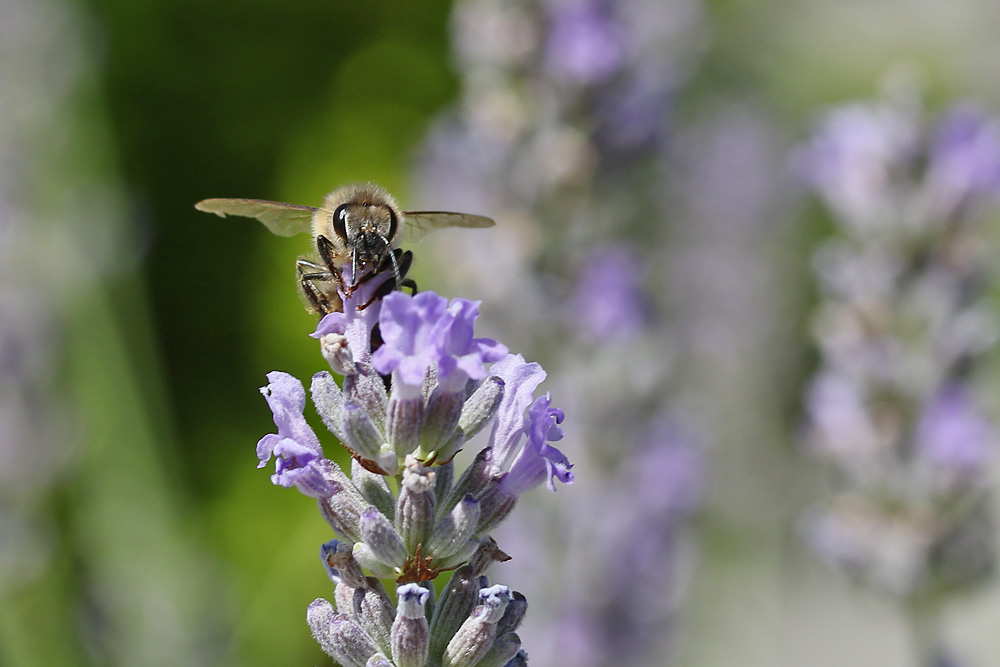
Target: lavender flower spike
{"type": "Point", "coordinates": [295, 444]}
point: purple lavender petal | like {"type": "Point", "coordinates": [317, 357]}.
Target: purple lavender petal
{"type": "Point", "coordinates": [607, 302]}
{"type": "Point", "coordinates": [538, 461]}
{"type": "Point", "coordinates": [408, 325]}
{"type": "Point", "coordinates": [953, 434]}
{"type": "Point", "coordinates": [585, 43]}
{"type": "Point", "coordinates": [520, 380]}
{"type": "Point", "coordinates": [965, 155]}
{"type": "Point", "coordinates": [331, 323]}
{"type": "Point", "coordinates": [295, 445]}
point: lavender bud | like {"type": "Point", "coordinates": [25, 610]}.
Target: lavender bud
{"type": "Point", "coordinates": [452, 532]}
{"type": "Point", "coordinates": [481, 406]}
{"type": "Point", "coordinates": [440, 419]}
{"type": "Point", "coordinates": [415, 506]}
{"type": "Point", "coordinates": [444, 475]}
{"type": "Point", "coordinates": [383, 540]}
{"type": "Point", "coordinates": [456, 602]}
{"type": "Point", "coordinates": [410, 635]}
{"type": "Point", "coordinates": [512, 617]}
{"type": "Point", "coordinates": [465, 552]}
{"type": "Point", "coordinates": [361, 435]}
{"type": "Point", "coordinates": [374, 488]}
{"type": "Point", "coordinates": [474, 639]}
{"type": "Point", "coordinates": [341, 513]}
{"type": "Point", "coordinates": [374, 612]}
{"type": "Point", "coordinates": [494, 506]}
{"type": "Point", "coordinates": [343, 595]}
{"type": "Point", "coordinates": [334, 348]}
{"type": "Point", "coordinates": [504, 648]}
{"type": "Point", "coordinates": [366, 389]}
{"type": "Point", "coordinates": [472, 481]}
{"type": "Point", "coordinates": [320, 615]}
{"type": "Point", "coordinates": [406, 419]}
{"type": "Point", "coordinates": [378, 660]}
{"type": "Point", "coordinates": [348, 644]}
{"type": "Point", "coordinates": [367, 558]}
{"type": "Point", "coordinates": [329, 402]}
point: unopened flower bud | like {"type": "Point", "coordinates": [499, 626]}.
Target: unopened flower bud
{"type": "Point", "coordinates": [410, 634]}
{"type": "Point", "coordinates": [382, 538]}
{"type": "Point", "coordinates": [361, 435]}
{"type": "Point", "coordinates": [457, 601]}
{"type": "Point", "coordinates": [374, 488]}
{"type": "Point", "coordinates": [340, 637]}
{"type": "Point", "coordinates": [405, 419]}
{"type": "Point", "coordinates": [481, 406]}
{"type": "Point", "coordinates": [514, 614]}
{"type": "Point", "coordinates": [329, 401]}
{"type": "Point", "coordinates": [454, 530]}
{"type": "Point", "coordinates": [440, 419]}
{"type": "Point", "coordinates": [367, 558]}
{"type": "Point", "coordinates": [374, 612]}
{"type": "Point", "coordinates": [474, 639]}
{"type": "Point", "coordinates": [415, 505]}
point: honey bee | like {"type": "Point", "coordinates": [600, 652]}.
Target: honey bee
{"type": "Point", "coordinates": [358, 226]}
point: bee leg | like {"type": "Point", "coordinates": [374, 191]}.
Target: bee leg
{"type": "Point", "coordinates": [409, 282]}
{"type": "Point", "coordinates": [326, 252]}
{"type": "Point", "coordinates": [309, 272]}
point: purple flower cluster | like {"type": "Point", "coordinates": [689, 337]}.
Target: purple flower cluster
{"type": "Point", "coordinates": [417, 386]}
{"type": "Point", "coordinates": [903, 320]}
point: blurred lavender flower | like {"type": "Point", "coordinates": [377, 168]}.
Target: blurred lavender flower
{"type": "Point", "coordinates": [561, 135]}
{"type": "Point", "coordinates": [901, 327]}
{"type": "Point", "coordinates": [404, 410]}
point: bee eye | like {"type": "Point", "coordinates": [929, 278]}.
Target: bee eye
{"type": "Point", "coordinates": [340, 222]}
{"type": "Point", "coordinates": [392, 225]}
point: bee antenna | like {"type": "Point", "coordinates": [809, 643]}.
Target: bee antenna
{"type": "Point", "coordinates": [354, 267]}
{"type": "Point", "coordinates": [395, 264]}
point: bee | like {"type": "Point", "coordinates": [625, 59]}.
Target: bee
{"type": "Point", "coordinates": [359, 226]}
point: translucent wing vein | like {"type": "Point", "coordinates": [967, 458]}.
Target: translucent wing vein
{"type": "Point", "coordinates": [282, 219]}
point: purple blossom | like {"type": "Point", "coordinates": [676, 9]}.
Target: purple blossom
{"type": "Point", "coordinates": [618, 312]}
{"type": "Point", "coordinates": [520, 380]}
{"type": "Point", "coordinates": [852, 158]}
{"type": "Point", "coordinates": [526, 464]}
{"type": "Point", "coordinates": [538, 461]}
{"type": "Point", "coordinates": [954, 435]}
{"type": "Point", "coordinates": [965, 156]}
{"type": "Point", "coordinates": [295, 446]}
{"type": "Point", "coordinates": [424, 331]}
{"type": "Point", "coordinates": [585, 43]}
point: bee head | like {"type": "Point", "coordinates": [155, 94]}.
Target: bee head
{"type": "Point", "coordinates": [367, 228]}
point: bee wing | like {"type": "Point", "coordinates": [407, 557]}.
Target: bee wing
{"type": "Point", "coordinates": [418, 224]}
{"type": "Point", "coordinates": [282, 219]}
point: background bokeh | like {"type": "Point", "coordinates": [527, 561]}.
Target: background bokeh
{"type": "Point", "coordinates": [135, 528]}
